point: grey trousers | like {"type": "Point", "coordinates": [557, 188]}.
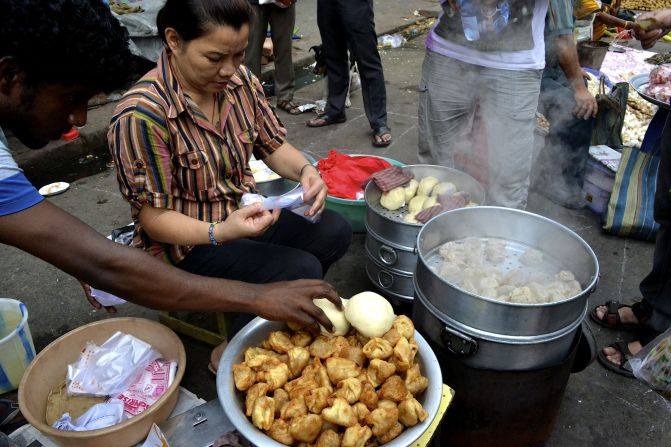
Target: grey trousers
{"type": "Point", "coordinates": [282, 21]}
{"type": "Point", "coordinates": [449, 92]}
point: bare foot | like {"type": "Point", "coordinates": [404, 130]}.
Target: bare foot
{"type": "Point", "coordinates": [615, 357]}
{"type": "Point", "coordinates": [215, 355]}
{"type": "Point", "coordinates": [626, 314]}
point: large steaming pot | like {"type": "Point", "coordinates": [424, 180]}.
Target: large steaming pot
{"type": "Point", "coordinates": [390, 242]}
{"type": "Point", "coordinates": [494, 334]}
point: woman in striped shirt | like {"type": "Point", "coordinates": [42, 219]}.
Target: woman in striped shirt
{"type": "Point", "coordinates": [182, 139]}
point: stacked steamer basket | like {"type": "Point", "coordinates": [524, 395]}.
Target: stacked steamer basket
{"type": "Point", "coordinates": [508, 363]}
{"type": "Point", "coordinates": [390, 242]}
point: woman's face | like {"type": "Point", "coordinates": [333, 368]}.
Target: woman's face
{"type": "Point", "coordinates": [207, 63]}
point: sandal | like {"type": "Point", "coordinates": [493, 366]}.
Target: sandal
{"type": "Point", "coordinates": [325, 120]}
{"type": "Point", "coordinates": [289, 106]}
{"type": "Point", "coordinates": [612, 318]}
{"type": "Point", "coordinates": [623, 368]}
{"type": "Point", "coordinates": [378, 141]}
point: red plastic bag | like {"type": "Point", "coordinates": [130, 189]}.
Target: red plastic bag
{"type": "Point", "coordinates": [344, 174]}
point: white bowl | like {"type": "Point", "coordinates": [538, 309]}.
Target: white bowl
{"type": "Point", "coordinates": [233, 401]}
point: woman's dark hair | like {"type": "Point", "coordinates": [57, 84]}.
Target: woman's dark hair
{"type": "Point", "coordinates": [70, 42]}
{"type": "Point", "coordinates": [194, 18]}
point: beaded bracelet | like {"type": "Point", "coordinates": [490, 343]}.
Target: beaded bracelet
{"type": "Point", "coordinates": [210, 232]}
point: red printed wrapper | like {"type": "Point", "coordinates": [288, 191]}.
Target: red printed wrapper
{"type": "Point", "coordinates": [149, 387]}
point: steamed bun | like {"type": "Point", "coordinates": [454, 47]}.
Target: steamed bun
{"type": "Point", "coordinates": [370, 314]}
{"type": "Point", "coordinates": [426, 186]}
{"type": "Point", "coordinates": [336, 316]}
{"type": "Point", "coordinates": [410, 190]}
{"type": "Point", "coordinates": [394, 199]}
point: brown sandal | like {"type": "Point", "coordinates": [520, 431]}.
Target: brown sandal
{"type": "Point", "coordinates": [289, 106]}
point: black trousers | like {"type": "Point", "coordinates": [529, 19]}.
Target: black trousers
{"type": "Point", "coordinates": [656, 287]}
{"type": "Point", "coordinates": [291, 249]}
{"type": "Point", "coordinates": [349, 24]}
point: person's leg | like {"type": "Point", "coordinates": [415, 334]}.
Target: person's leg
{"type": "Point", "coordinates": [359, 20]}
{"type": "Point", "coordinates": [509, 102]}
{"type": "Point", "coordinates": [257, 34]}
{"type": "Point", "coordinates": [334, 44]}
{"type": "Point", "coordinates": [327, 240]}
{"type": "Point", "coordinates": [282, 21]}
{"type": "Point", "coordinates": [564, 157]}
{"type": "Point", "coordinates": [446, 106]}
{"type": "Point", "coordinates": [656, 287]}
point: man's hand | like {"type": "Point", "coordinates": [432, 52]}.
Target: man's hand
{"type": "Point", "coordinates": [248, 221]}
{"type": "Point", "coordinates": [93, 301]}
{"type": "Point", "coordinates": [291, 301]}
{"type": "Point", "coordinates": [314, 188]}
{"type": "Point", "coordinates": [586, 106]}
{"type": "Point", "coordinates": [652, 26]}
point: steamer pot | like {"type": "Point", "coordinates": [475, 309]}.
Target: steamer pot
{"type": "Point", "coordinates": [490, 315]}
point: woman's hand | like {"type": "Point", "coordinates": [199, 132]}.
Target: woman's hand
{"type": "Point", "coordinates": [314, 188]}
{"type": "Point", "coordinates": [249, 221]}
{"type": "Point", "coordinates": [652, 26]}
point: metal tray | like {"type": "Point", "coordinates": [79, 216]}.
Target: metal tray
{"type": "Point", "coordinates": [640, 83]}
{"type": "Point", "coordinates": [232, 401]}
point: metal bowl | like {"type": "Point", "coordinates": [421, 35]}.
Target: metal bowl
{"type": "Point", "coordinates": [233, 401]}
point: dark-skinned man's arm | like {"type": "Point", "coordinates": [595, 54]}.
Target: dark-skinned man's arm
{"type": "Point", "coordinates": [586, 106]}
{"type": "Point", "coordinates": [59, 238]}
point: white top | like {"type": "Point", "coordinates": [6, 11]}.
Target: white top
{"type": "Point", "coordinates": [506, 60]}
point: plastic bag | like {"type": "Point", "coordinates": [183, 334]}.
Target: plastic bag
{"type": "Point", "coordinates": [292, 200]}
{"type": "Point", "coordinates": [109, 369]}
{"type": "Point", "coordinates": [98, 416]}
{"type": "Point", "coordinates": [652, 365]}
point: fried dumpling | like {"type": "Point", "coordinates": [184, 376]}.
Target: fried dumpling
{"type": "Point", "coordinates": [294, 408]}
{"type": "Point", "coordinates": [275, 377]}
{"type": "Point", "coordinates": [340, 413]}
{"type": "Point", "coordinates": [404, 354]}
{"type": "Point", "coordinates": [361, 411]}
{"type": "Point", "coordinates": [368, 396]}
{"type": "Point", "coordinates": [392, 336]}
{"type": "Point", "coordinates": [279, 431]}
{"type": "Point", "coordinates": [349, 389]}
{"type": "Point", "coordinates": [263, 412]}
{"type": "Point", "coordinates": [306, 428]}
{"type": "Point", "coordinates": [356, 436]}
{"type": "Point", "coordinates": [392, 433]}
{"type": "Point", "coordinates": [301, 339]}
{"type": "Point", "coordinates": [281, 397]}
{"type": "Point", "coordinates": [381, 420]}
{"type": "Point", "coordinates": [321, 348]}
{"type": "Point", "coordinates": [353, 353]}
{"type": "Point", "coordinates": [393, 389]}
{"type": "Point", "coordinates": [317, 399]}
{"type": "Point", "coordinates": [280, 341]}
{"type": "Point", "coordinates": [411, 412]}
{"type": "Point", "coordinates": [328, 438]}
{"type": "Point", "coordinates": [254, 392]}
{"type": "Point", "coordinates": [298, 360]}
{"type": "Point", "coordinates": [243, 376]}
{"type": "Point", "coordinates": [378, 348]}
{"type": "Point", "coordinates": [379, 371]}
{"type": "Point", "coordinates": [340, 369]}
{"type": "Point", "coordinates": [414, 381]}
{"type": "Point", "coordinates": [404, 326]}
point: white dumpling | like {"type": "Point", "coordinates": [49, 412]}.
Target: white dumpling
{"type": "Point", "coordinates": [426, 186]}
{"type": "Point", "coordinates": [451, 273]}
{"type": "Point", "coordinates": [410, 190]}
{"type": "Point", "coordinates": [531, 257]}
{"type": "Point", "coordinates": [565, 275]}
{"type": "Point", "coordinates": [411, 218]}
{"type": "Point", "coordinates": [447, 188]}
{"type": "Point", "coordinates": [394, 199]}
{"type": "Point", "coordinates": [416, 204]}
{"type": "Point", "coordinates": [495, 250]}
{"type": "Point", "coordinates": [429, 202]}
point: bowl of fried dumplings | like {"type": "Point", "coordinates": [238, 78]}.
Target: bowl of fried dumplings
{"type": "Point", "coordinates": [280, 386]}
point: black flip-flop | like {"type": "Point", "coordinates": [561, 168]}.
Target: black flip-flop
{"type": "Point", "coordinates": [612, 318]}
{"type": "Point", "coordinates": [623, 368]}
{"type": "Point", "coordinates": [378, 133]}
{"type": "Point", "coordinates": [327, 120]}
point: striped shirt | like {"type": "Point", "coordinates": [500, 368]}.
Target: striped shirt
{"type": "Point", "coordinates": [170, 156]}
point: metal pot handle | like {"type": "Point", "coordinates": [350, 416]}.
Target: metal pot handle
{"type": "Point", "coordinates": [387, 255]}
{"type": "Point", "coordinates": [385, 279]}
{"type": "Point", "coordinates": [458, 344]}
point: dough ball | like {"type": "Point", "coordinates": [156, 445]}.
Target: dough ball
{"type": "Point", "coordinates": [370, 314]}
{"type": "Point", "coordinates": [416, 204]}
{"type": "Point", "coordinates": [426, 186]}
{"type": "Point", "coordinates": [431, 201]}
{"type": "Point", "coordinates": [336, 316]}
{"type": "Point", "coordinates": [394, 199]}
{"type": "Point", "coordinates": [410, 190]}
{"type": "Point", "coordinates": [444, 188]}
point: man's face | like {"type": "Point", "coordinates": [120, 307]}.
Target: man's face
{"type": "Point", "coordinates": [45, 112]}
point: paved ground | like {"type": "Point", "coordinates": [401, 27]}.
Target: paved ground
{"type": "Point", "coordinates": [599, 408]}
